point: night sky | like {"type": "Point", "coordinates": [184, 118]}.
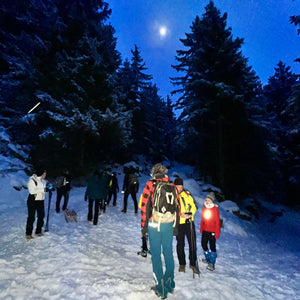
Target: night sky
{"type": "Point", "coordinates": [156, 27]}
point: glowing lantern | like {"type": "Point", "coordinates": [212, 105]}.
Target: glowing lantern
{"type": "Point", "coordinates": [207, 214]}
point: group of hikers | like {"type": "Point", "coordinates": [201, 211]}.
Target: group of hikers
{"type": "Point", "coordinates": [167, 210]}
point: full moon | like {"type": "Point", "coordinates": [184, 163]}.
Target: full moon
{"type": "Point", "coordinates": [162, 31]}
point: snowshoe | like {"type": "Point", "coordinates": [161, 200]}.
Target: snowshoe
{"type": "Point", "coordinates": [142, 253]}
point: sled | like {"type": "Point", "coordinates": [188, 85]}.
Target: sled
{"type": "Point", "coordinates": [70, 216]}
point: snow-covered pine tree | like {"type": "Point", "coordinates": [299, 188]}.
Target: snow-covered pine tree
{"type": "Point", "coordinates": [68, 58]}
{"type": "Point", "coordinates": [216, 86]}
{"type": "Point", "coordinates": [132, 80]}
{"type": "Point", "coordinates": [156, 118]}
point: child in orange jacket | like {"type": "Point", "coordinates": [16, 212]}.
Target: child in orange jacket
{"type": "Point", "coordinates": [210, 229]}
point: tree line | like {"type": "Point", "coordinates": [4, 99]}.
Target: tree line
{"type": "Point", "coordinates": [96, 107]}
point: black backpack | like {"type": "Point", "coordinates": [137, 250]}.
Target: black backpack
{"type": "Point", "coordinates": [132, 180]}
{"type": "Point", "coordinates": [165, 203]}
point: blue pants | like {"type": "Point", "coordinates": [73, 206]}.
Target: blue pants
{"type": "Point", "coordinates": [162, 241]}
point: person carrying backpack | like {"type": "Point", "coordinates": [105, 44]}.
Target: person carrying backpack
{"type": "Point", "coordinates": [113, 189]}
{"type": "Point", "coordinates": [63, 188]}
{"type": "Point", "coordinates": [96, 193]}
{"type": "Point", "coordinates": [130, 187]}
{"type": "Point", "coordinates": [160, 215]}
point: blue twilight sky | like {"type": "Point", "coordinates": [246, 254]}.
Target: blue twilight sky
{"type": "Point", "coordinates": [264, 24]}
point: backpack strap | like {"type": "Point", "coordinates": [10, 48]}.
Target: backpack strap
{"type": "Point", "coordinates": [34, 181]}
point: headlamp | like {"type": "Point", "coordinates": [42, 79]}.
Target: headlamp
{"type": "Point", "coordinates": [207, 214]}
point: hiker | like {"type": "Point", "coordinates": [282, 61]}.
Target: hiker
{"type": "Point", "coordinates": [35, 202]}
{"type": "Point", "coordinates": [63, 188]}
{"type": "Point", "coordinates": [186, 228]}
{"type": "Point", "coordinates": [96, 193]}
{"type": "Point", "coordinates": [210, 229]}
{"type": "Point", "coordinates": [130, 187]}
{"type": "Point", "coordinates": [160, 227]}
{"type": "Point", "coordinates": [113, 189]}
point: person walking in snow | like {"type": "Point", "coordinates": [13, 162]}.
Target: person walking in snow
{"type": "Point", "coordinates": [63, 187]}
{"type": "Point", "coordinates": [113, 189]}
{"type": "Point", "coordinates": [186, 228]}
{"type": "Point", "coordinates": [130, 187]}
{"type": "Point", "coordinates": [96, 193]}
{"type": "Point", "coordinates": [35, 202]}
{"type": "Point", "coordinates": [210, 229]}
{"type": "Point", "coordinates": [160, 230]}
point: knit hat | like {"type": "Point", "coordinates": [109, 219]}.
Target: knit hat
{"type": "Point", "coordinates": [39, 172]}
{"type": "Point", "coordinates": [211, 196]}
{"type": "Point", "coordinates": [178, 181]}
{"type": "Point", "coordinates": [159, 169]}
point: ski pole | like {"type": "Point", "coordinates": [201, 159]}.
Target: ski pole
{"type": "Point", "coordinates": [47, 222]}
{"type": "Point", "coordinates": [193, 242]}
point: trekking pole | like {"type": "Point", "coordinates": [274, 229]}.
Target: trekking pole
{"type": "Point", "coordinates": [193, 242]}
{"type": "Point", "coordinates": [47, 222]}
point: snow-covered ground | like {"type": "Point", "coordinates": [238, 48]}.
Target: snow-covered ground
{"type": "Point", "coordinates": [258, 260]}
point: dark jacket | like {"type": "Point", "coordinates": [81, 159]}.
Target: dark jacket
{"type": "Point", "coordinates": [63, 183]}
{"type": "Point", "coordinates": [114, 186]}
{"type": "Point", "coordinates": [128, 185]}
{"type": "Point", "coordinates": [97, 187]}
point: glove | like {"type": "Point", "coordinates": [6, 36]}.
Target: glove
{"type": "Point", "coordinates": [49, 188]}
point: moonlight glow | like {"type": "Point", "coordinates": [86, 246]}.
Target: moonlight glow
{"type": "Point", "coordinates": [162, 31]}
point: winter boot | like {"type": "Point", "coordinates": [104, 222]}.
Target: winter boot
{"type": "Point", "coordinates": [204, 260]}
{"type": "Point", "coordinates": [213, 257]}
{"type": "Point", "coordinates": [142, 253]}
{"type": "Point", "coordinates": [181, 268]}
{"type": "Point", "coordinates": [195, 269]}
{"type": "Point", "coordinates": [210, 267]}
{"type": "Point", "coordinates": [207, 255]}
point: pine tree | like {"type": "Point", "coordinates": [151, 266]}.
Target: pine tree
{"type": "Point", "coordinates": [157, 121]}
{"type": "Point", "coordinates": [292, 113]}
{"type": "Point", "coordinates": [216, 90]}
{"type": "Point", "coordinates": [132, 80]}
{"type": "Point", "coordinates": [65, 56]}
{"type": "Point", "coordinates": [279, 89]}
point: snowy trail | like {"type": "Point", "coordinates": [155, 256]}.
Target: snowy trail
{"type": "Point", "coordinates": [83, 261]}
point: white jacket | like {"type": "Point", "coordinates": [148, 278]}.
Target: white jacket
{"type": "Point", "coordinates": [37, 187]}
